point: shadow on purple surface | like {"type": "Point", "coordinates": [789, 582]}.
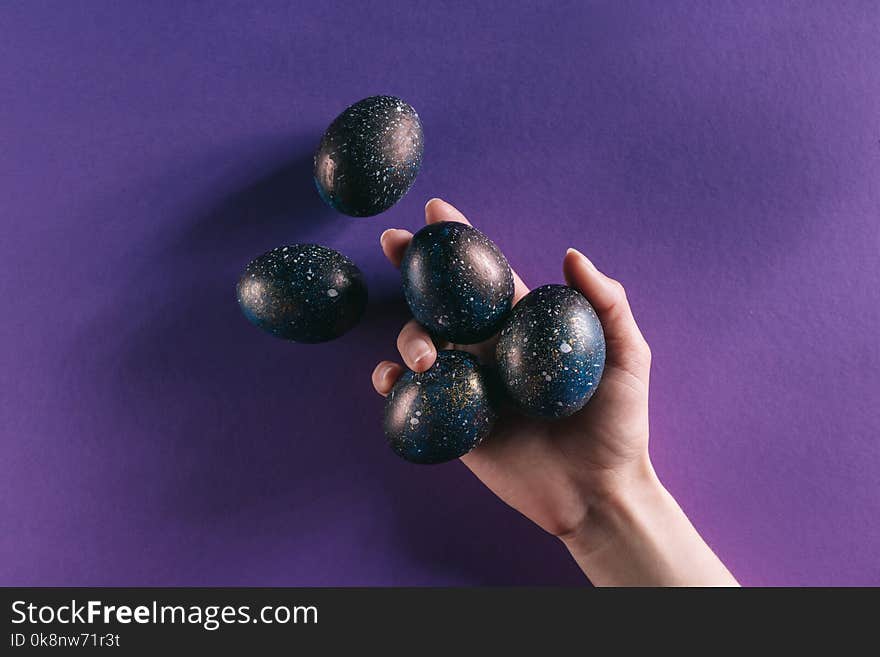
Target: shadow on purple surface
{"type": "Point", "coordinates": [284, 197]}
{"type": "Point", "coordinates": [233, 426]}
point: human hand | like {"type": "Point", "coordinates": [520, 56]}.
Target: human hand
{"type": "Point", "coordinates": [552, 471]}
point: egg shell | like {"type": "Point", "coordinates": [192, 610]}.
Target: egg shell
{"type": "Point", "coordinates": [551, 352]}
{"type": "Point", "coordinates": [369, 156]}
{"type": "Point", "coordinates": [303, 292]}
{"type": "Point", "coordinates": [457, 282]}
{"type": "Point", "coordinates": [441, 414]}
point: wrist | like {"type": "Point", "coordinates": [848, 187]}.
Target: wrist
{"type": "Point", "coordinates": [614, 509]}
{"type": "Point", "coordinates": [635, 534]}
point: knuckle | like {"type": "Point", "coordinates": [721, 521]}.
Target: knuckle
{"type": "Point", "coordinates": [378, 384]}
{"type": "Point", "coordinates": [640, 350]}
{"type": "Point", "coordinates": [619, 290]}
{"type": "Point", "coordinates": [405, 333]}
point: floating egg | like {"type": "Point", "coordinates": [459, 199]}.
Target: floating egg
{"type": "Point", "coordinates": [441, 414]}
{"type": "Point", "coordinates": [303, 292]}
{"type": "Point", "coordinates": [457, 282]}
{"type": "Point", "coordinates": [551, 352]}
{"type": "Point", "coordinates": [369, 156]}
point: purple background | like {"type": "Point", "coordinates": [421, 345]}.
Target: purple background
{"type": "Point", "coordinates": [722, 161]}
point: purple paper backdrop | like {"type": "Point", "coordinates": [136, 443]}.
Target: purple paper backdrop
{"type": "Point", "coordinates": [721, 159]}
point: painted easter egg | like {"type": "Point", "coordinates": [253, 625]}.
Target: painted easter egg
{"type": "Point", "coordinates": [551, 352]}
{"type": "Point", "coordinates": [369, 156]}
{"type": "Point", "coordinates": [457, 282]}
{"type": "Point", "coordinates": [440, 414]}
{"type": "Point", "coordinates": [303, 292]}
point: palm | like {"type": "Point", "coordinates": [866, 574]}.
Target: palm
{"type": "Point", "coordinates": [586, 449]}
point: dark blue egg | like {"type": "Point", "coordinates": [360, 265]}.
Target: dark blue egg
{"type": "Point", "coordinates": [369, 156]}
{"type": "Point", "coordinates": [441, 414]}
{"type": "Point", "coordinates": [303, 292]}
{"type": "Point", "coordinates": [457, 282]}
{"type": "Point", "coordinates": [551, 352]}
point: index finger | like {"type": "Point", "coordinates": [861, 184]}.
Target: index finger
{"type": "Point", "coordinates": [395, 240]}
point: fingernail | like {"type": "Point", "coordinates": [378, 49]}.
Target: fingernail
{"type": "Point", "coordinates": [417, 351]}
{"type": "Point", "coordinates": [431, 200]}
{"type": "Point", "coordinates": [585, 258]}
{"type": "Point", "coordinates": [384, 235]}
{"type": "Point", "coordinates": [384, 372]}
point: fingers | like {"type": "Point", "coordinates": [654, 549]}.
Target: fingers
{"type": "Point", "coordinates": [394, 242]}
{"type": "Point", "coordinates": [418, 351]}
{"type": "Point", "coordinates": [608, 297]}
{"type": "Point", "coordinates": [437, 210]}
{"type": "Point", "coordinates": [385, 376]}
{"type": "Point", "coordinates": [416, 347]}
{"type": "Point", "coordinates": [413, 343]}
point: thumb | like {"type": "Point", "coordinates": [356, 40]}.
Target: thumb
{"type": "Point", "coordinates": [626, 347]}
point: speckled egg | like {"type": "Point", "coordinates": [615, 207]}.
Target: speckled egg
{"type": "Point", "coordinates": [457, 282]}
{"type": "Point", "coordinates": [551, 352]}
{"type": "Point", "coordinates": [441, 414]}
{"type": "Point", "coordinates": [369, 156]}
{"type": "Point", "coordinates": [303, 292]}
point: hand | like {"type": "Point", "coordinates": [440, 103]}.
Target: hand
{"type": "Point", "coordinates": [552, 471]}
{"type": "Point", "coordinates": [587, 478]}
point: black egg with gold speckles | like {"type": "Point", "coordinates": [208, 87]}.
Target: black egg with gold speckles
{"type": "Point", "coordinates": [369, 156]}
{"type": "Point", "coordinates": [441, 414]}
{"type": "Point", "coordinates": [551, 352]}
{"type": "Point", "coordinates": [303, 292]}
{"type": "Point", "coordinates": [457, 282]}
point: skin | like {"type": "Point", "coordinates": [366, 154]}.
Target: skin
{"type": "Point", "coordinates": [588, 478]}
